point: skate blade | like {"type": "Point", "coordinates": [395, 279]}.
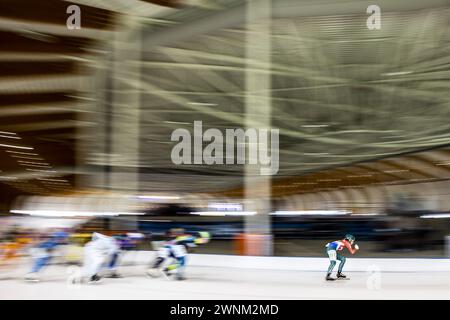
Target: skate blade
{"type": "Point", "coordinates": [343, 278]}
{"type": "Point", "coordinates": [152, 273]}
{"type": "Point", "coordinates": [32, 280]}
{"type": "Point", "coordinates": [165, 275]}
{"type": "Point", "coordinates": [95, 282]}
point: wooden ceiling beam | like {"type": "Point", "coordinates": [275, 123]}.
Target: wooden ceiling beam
{"type": "Point", "coordinates": [54, 12]}
{"type": "Point", "coordinates": [24, 42]}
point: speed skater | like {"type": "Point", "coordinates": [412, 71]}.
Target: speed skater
{"type": "Point", "coordinates": [177, 249]}
{"type": "Point", "coordinates": [332, 249]}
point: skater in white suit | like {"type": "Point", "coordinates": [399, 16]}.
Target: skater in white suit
{"type": "Point", "coordinates": [97, 253]}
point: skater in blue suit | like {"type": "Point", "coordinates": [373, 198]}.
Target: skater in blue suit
{"type": "Point", "coordinates": [42, 253]}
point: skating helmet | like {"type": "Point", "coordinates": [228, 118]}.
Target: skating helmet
{"type": "Point", "coordinates": [350, 237]}
{"type": "Point", "coordinates": [59, 236]}
{"type": "Point", "coordinates": [203, 237]}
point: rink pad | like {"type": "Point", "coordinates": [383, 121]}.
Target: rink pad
{"type": "Point", "coordinates": [300, 264]}
{"type": "Point", "coordinates": [236, 277]}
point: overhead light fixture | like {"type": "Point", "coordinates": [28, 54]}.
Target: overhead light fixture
{"type": "Point", "coordinates": [314, 125]}
{"type": "Point", "coordinates": [359, 176]}
{"type": "Point", "coordinates": [38, 170]}
{"type": "Point", "coordinates": [56, 183]}
{"type": "Point", "coordinates": [31, 162]}
{"type": "Point", "coordinates": [25, 153]}
{"type": "Point", "coordinates": [226, 206]}
{"type": "Point", "coordinates": [224, 213]}
{"type": "Point", "coordinates": [202, 104]}
{"type": "Point", "coordinates": [159, 197]}
{"type": "Point", "coordinates": [286, 186]}
{"type": "Point", "coordinates": [435, 216]}
{"type": "Point", "coordinates": [7, 178]}
{"type": "Point", "coordinates": [16, 147]}
{"type": "Point", "coordinates": [27, 158]}
{"type": "Point", "coordinates": [52, 180]}
{"type": "Point", "coordinates": [298, 183]}
{"type": "Point", "coordinates": [176, 122]}
{"type": "Point", "coordinates": [399, 73]}
{"type": "Point", "coordinates": [36, 166]}
{"type": "Point", "coordinates": [311, 213]}
{"type": "Point", "coordinates": [63, 213]}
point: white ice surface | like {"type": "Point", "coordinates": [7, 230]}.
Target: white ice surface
{"type": "Point", "coordinates": [213, 282]}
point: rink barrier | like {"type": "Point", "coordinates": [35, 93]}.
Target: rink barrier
{"type": "Point", "coordinates": [299, 263]}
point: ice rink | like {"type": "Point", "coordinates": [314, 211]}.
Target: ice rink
{"type": "Point", "coordinates": [370, 279]}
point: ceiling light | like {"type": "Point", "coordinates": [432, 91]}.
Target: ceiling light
{"type": "Point", "coordinates": [28, 158]}
{"type": "Point", "coordinates": [159, 197]}
{"type": "Point", "coordinates": [310, 212]}
{"type": "Point", "coordinates": [176, 122]}
{"type": "Point", "coordinates": [7, 178]}
{"type": "Point", "coordinates": [17, 147]}
{"type": "Point", "coordinates": [305, 183]}
{"type": "Point", "coordinates": [435, 216]}
{"type": "Point", "coordinates": [26, 153]}
{"type": "Point", "coordinates": [395, 171]}
{"type": "Point", "coordinates": [64, 213]}
{"type": "Point", "coordinates": [36, 170]}
{"type": "Point", "coordinates": [224, 213]}
{"type": "Point", "coordinates": [53, 180]}
{"type": "Point", "coordinates": [38, 163]}
{"type": "Point", "coordinates": [226, 206]}
{"type": "Point", "coordinates": [400, 73]}
{"type": "Point", "coordinates": [314, 125]}
{"type": "Point", "coordinates": [202, 104]}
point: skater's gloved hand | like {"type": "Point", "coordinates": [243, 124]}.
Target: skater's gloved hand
{"type": "Point", "coordinates": [356, 247]}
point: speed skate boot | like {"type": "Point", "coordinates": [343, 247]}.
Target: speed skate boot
{"type": "Point", "coordinates": [341, 276]}
{"type": "Point", "coordinates": [329, 277]}
{"type": "Point", "coordinates": [180, 275]}
{"type": "Point", "coordinates": [115, 275]}
{"type": "Point", "coordinates": [31, 277]}
{"type": "Point", "coordinates": [94, 279]}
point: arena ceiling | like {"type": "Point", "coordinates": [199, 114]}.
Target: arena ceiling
{"type": "Point", "coordinates": [341, 94]}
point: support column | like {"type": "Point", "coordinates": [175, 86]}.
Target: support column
{"type": "Point", "coordinates": [125, 109]}
{"type": "Point", "coordinates": [93, 141]}
{"type": "Point", "coordinates": [124, 151]}
{"type": "Point", "coordinates": [258, 116]}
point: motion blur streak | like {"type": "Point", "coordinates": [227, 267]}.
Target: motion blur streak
{"type": "Point", "coordinates": [356, 95]}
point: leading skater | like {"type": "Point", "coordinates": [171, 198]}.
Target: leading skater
{"type": "Point", "coordinates": [332, 249]}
